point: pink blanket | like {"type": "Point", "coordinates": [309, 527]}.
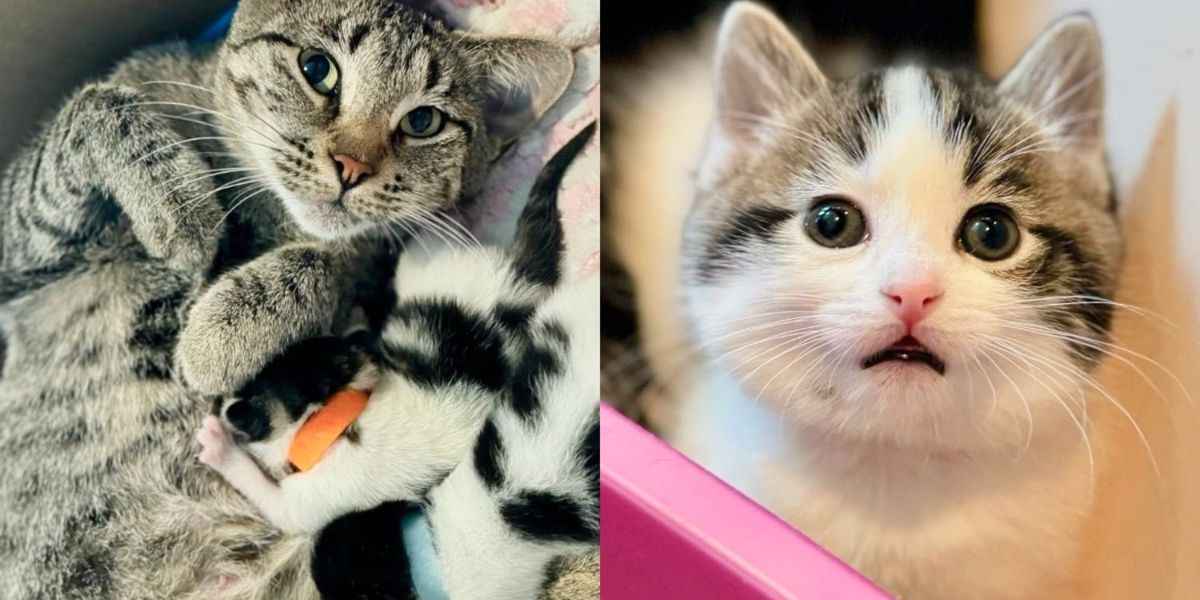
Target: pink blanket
{"type": "Point", "coordinates": [575, 23]}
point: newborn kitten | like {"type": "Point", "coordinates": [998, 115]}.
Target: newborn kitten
{"type": "Point", "coordinates": [899, 285]}
{"type": "Point", "coordinates": [218, 186]}
{"type": "Point", "coordinates": [484, 348]}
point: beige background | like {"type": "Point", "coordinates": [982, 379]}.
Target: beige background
{"type": "Point", "coordinates": [49, 47]}
{"type": "Point", "coordinates": [1146, 541]}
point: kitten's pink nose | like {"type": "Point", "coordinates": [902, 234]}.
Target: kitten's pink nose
{"type": "Point", "coordinates": [913, 300]}
{"type": "Point", "coordinates": [352, 170]}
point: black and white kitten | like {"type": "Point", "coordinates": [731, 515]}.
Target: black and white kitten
{"type": "Point", "coordinates": [488, 350]}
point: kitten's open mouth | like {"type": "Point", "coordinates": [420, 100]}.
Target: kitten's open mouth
{"type": "Point", "coordinates": [906, 349]}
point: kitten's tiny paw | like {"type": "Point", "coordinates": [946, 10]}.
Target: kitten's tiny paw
{"type": "Point", "coordinates": [215, 443]}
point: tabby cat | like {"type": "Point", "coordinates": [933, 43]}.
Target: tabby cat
{"type": "Point", "coordinates": [247, 189]}
{"type": "Point", "coordinates": [898, 286]}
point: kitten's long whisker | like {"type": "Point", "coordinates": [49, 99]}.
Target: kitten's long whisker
{"type": "Point", "coordinates": [792, 338]}
{"type": "Point", "coordinates": [1024, 401]}
{"type": "Point", "coordinates": [1079, 424]}
{"type": "Point", "coordinates": [1108, 350]}
{"type": "Point", "coordinates": [1075, 299]}
{"type": "Point", "coordinates": [796, 346]}
{"type": "Point", "coordinates": [1129, 417]}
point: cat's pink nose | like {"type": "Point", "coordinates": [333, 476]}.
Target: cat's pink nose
{"type": "Point", "coordinates": [912, 301]}
{"type": "Point", "coordinates": [351, 170]}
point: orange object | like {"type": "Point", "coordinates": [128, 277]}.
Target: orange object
{"type": "Point", "coordinates": [324, 427]}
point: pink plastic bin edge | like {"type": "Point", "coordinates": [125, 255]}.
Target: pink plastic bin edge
{"type": "Point", "coordinates": [670, 529]}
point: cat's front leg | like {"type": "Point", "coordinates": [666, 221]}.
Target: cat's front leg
{"type": "Point", "coordinates": [253, 314]}
{"type": "Point", "coordinates": [108, 149]}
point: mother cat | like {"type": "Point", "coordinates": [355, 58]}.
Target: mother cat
{"type": "Point", "coordinates": [266, 168]}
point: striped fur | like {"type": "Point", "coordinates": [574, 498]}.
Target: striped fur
{"type": "Point", "coordinates": [193, 185]}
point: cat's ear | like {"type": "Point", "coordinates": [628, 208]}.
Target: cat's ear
{"type": "Point", "coordinates": [762, 72]}
{"type": "Point", "coordinates": [1061, 77]}
{"type": "Point", "coordinates": [538, 247]}
{"type": "Point", "coordinates": [522, 78]}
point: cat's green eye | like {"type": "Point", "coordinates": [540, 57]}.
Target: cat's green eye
{"type": "Point", "coordinates": [835, 222]}
{"type": "Point", "coordinates": [423, 122]}
{"type": "Point", "coordinates": [989, 232]}
{"type": "Point", "coordinates": [320, 71]}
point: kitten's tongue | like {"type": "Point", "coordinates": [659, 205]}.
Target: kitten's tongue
{"type": "Point", "coordinates": [908, 342]}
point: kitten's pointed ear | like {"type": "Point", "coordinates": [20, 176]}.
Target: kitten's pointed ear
{"type": "Point", "coordinates": [522, 78]}
{"type": "Point", "coordinates": [761, 72]}
{"type": "Point", "coordinates": [1061, 77]}
{"type": "Point", "coordinates": [538, 247]}
{"type": "Point", "coordinates": [761, 66]}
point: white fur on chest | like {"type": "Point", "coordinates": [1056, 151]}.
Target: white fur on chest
{"type": "Point", "coordinates": [952, 527]}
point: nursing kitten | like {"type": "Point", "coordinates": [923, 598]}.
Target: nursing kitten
{"type": "Point", "coordinates": [256, 161]}
{"type": "Point", "coordinates": [483, 349]}
{"type": "Point", "coordinates": [898, 284]}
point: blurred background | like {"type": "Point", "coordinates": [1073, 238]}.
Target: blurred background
{"type": "Point", "coordinates": [1145, 540]}
{"type": "Point", "coordinates": [48, 49]}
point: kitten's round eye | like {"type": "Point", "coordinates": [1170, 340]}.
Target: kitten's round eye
{"type": "Point", "coordinates": [835, 223]}
{"type": "Point", "coordinates": [319, 71]}
{"type": "Point", "coordinates": [989, 233]}
{"type": "Point", "coordinates": [423, 122]}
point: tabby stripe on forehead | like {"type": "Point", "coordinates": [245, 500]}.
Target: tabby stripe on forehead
{"type": "Point", "coordinates": [269, 37]}
{"type": "Point", "coordinates": [964, 128]}
{"type": "Point", "coordinates": [333, 30]}
{"type": "Point", "coordinates": [356, 37]}
{"type": "Point", "coordinates": [433, 73]}
{"type": "Point", "coordinates": [868, 116]}
{"type": "Point", "coordinates": [745, 225]}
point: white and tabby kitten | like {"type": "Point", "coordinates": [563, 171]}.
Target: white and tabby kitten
{"type": "Point", "coordinates": [484, 349]}
{"type": "Point", "coordinates": [899, 285]}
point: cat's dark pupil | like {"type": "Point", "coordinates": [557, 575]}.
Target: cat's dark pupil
{"type": "Point", "coordinates": [420, 119]}
{"type": "Point", "coordinates": [316, 68]}
{"type": "Point", "coordinates": [990, 232]}
{"type": "Point", "coordinates": [831, 221]}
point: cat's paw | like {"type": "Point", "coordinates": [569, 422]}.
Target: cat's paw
{"type": "Point", "coordinates": [253, 314]}
{"type": "Point", "coordinates": [219, 349]}
{"type": "Point", "coordinates": [216, 445]}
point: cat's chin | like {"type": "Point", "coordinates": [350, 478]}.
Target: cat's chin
{"type": "Point", "coordinates": [325, 220]}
